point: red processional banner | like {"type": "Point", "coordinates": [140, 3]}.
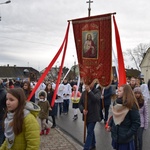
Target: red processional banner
{"type": "Point", "coordinates": [93, 40]}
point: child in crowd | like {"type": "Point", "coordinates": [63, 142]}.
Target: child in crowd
{"type": "Point", "coordinates": [21, 126]}
{"type": "Point", "coordinates": [143, 117]}
{"type": "Point", "coordinates": [43, 115]}
{"type": "Point", "coordinates": [126, 119]}
{"type": "Point", "coordinates": [75, 97]}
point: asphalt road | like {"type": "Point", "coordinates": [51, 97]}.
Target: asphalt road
{"type": "Point", "coordinates": [103, 139]}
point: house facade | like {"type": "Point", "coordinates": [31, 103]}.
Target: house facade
{"type": "Point", "coordinates": [18, 73]}
{"type": "Point", "coordinates": [145, 66]}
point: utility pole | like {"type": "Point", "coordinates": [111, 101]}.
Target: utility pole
{"type": "Point", "coordinates": [89, 9]}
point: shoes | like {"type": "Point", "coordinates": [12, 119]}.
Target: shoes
{"type": "Point", "coordinates": [47, 130]}
{"type": "Point", "coordinates": [75, 117]}
{"type": "Point", "coordinates": [53, 126]}
{"type": "Point", "coordinates": [42, 132]}
{"type": "Point", "coordinates": [93, 148]}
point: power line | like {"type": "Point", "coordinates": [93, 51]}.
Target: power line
{"type": "Point", "coordinates": [27, 41]}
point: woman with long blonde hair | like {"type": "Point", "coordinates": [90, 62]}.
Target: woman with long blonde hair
{"type": "Point", "coordinates": [126, 119]}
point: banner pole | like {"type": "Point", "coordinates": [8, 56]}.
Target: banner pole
{"type": "Point", "coordinates": [85, 116]}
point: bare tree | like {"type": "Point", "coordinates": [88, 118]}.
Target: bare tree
{"type": "Point", "coordinates": [137, 54]}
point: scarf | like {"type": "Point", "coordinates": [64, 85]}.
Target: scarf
{"type": "Point", "coordinates": [9, 133]}
{"type": "Point", "coordinates": [119, 112]}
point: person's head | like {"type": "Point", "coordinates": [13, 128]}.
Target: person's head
{"type": "Point", "coordinates": [128, 80]}
{"type": "Point", "coordinates": [138, 93]}
{"type": "Point", "coordinates": [27, 86]}
{"type": "Point", "coordinates": [132, 81]}
{"type": "Point", "coordinates": [89, 37]}
{"type": "Point", "coordinates": [139, 96]}
{"type": "Point", "coordinates": [11, 82]}
{"type": "Point", "coordinates": [74, 87]}
{"type": "Point", "coordinates": [65, 80]}
{"type": "Point", "coordinates": [138, 82]}
{"type": "Point", "coordinates": [125, 92]}
{"type": "Point", "coordinates": [42, 95]}
{"type": "Point", "coordinates": [48, 87]}
{"type": "Point", "coordinates": [15, 102]}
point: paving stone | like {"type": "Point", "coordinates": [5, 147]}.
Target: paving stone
{"type": "Point", "coordinates": [57, 140]}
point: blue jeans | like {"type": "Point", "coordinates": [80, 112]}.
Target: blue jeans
{"type": "Point", "coordinates": [58, 106]}
{"type": "Point", "coordinates": [90, 139]}
{"type": "Point", "coordinates": [66, 105]}
{"type": "Point", "coordinates": [106, 109]}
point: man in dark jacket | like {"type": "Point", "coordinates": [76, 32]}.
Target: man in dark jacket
{"type": "Point", "coordinates": [92, 113]}
{"type": "Point", "coordinates": [2, 110]}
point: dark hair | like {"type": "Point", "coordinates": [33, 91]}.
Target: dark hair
{"type": "Point", "coordinates": [140, 100]}
{"type": "Point", "coordinates": [17, 122]}
{"type": "Point", "coordinates": [47, 90]}
{"type": "Point", "coordinates": [42, 94]}
{"type": "Point", "coordinates": [28, 90]}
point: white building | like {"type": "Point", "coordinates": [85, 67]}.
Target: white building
{"type": "Point", "coordinates": [145, 66]}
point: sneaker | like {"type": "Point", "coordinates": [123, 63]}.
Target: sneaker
{"type": "Point", "coordinates": [93, 148]}
{"type": "Point", "coordinates": [47, 130]}
{"type": "Point", "coordinates": [53, 126]}
{"type": "Point", "coordinates": [42, 132]}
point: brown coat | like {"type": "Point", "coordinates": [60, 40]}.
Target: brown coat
{"type": "Point", "coordinates": [44, 105]}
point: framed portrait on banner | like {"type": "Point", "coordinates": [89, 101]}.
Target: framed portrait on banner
{"type": "Point", "coordinates": [90, 44]}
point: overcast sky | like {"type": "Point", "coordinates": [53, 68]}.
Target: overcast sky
{"type": "Point", "coordinates": [31, 31]}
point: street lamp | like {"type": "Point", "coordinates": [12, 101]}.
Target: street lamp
{"type": "Point", "coordinates": [7, 2]}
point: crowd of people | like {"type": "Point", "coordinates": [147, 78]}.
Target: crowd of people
{"type": "Point", "coordinates": [127, 122]}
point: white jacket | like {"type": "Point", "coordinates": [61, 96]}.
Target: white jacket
{"type": "Point", "coordinates": [67, 91]}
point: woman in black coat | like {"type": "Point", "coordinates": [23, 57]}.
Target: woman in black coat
{"type": "Point", "coordinates": [126, 119]}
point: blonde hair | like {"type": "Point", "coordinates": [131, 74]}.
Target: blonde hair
{"type": "Point", "coordinates": [129, 99]}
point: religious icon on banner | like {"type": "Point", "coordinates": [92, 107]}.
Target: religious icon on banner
{"type": "Point", "coordinates": [90, 40]}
